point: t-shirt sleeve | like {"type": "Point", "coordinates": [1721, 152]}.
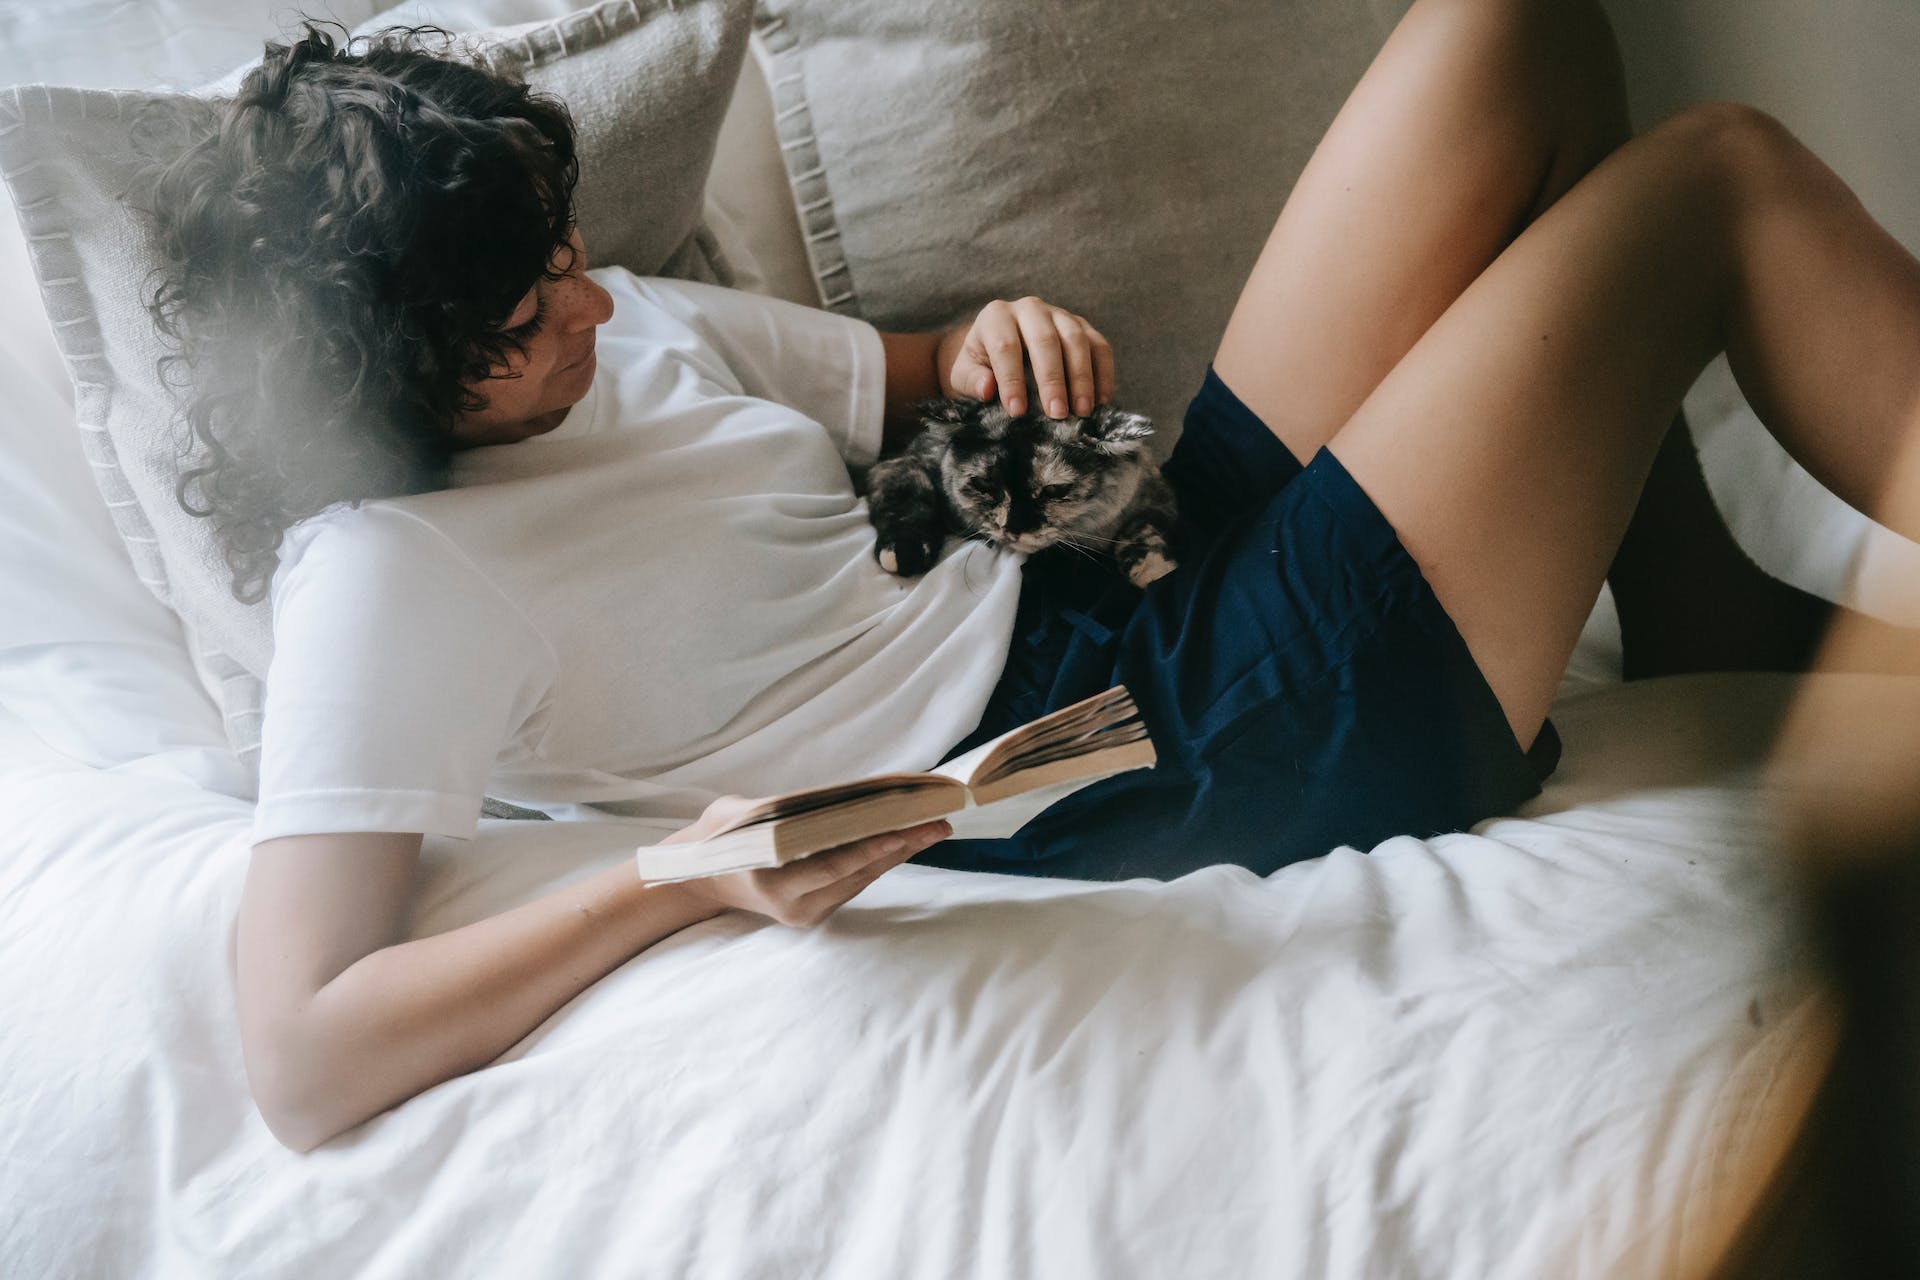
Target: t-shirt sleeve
{"type": "Point", "coordinates": [400, 672]}
{"type": "Point", "coordinates": [830, 367]}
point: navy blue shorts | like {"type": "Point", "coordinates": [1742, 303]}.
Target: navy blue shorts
{"type": "Point", "coordinates": [1301, 683]}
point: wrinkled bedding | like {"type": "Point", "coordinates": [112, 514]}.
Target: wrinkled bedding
{"type": "Point", "coordinates": [1542, 1048]}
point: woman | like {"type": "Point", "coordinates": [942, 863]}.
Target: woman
{"type": "Point", "coordinates": [1419, 452]}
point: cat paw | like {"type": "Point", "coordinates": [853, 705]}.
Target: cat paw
{"type": "Point", "coordinates": [1150, 567]}
{"type": "Point", "coordinates": [910, 555]}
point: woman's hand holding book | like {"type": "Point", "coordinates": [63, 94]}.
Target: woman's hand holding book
{"type": "Point", "coordinates": [804, 892]}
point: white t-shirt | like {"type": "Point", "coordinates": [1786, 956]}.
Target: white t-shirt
{"type": "Point", "coordinates": [670, 596]}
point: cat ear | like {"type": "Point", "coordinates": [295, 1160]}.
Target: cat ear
{"type": "Point", "coordinates": [1115, 431]}
{"type": "Point", "coordinates": [960, 416]}
{"type": "Point", "coordinates": [944, 412]}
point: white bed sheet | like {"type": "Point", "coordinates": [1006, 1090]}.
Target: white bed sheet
{"type": "Point", "coordinates": [1539, 1049]}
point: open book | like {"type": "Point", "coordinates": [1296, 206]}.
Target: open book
{"type": "Point", "coordinates": [991, 791]}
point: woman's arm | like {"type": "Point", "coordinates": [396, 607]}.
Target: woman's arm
{"type": "Point", "coordinates": [911, 377]}
{"type": "Point", "coordinates": [1072, 365]}
{"type": "Point", "coordinates": [340, 1018]}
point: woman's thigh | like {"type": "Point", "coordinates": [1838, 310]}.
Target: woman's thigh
{"type": "Point", "coordinates": [1475, 115]}
{"type": "Point", "coordinates": [1508, 448]}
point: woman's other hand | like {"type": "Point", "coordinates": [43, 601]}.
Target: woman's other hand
{"type": "Point", "coordinates": [1072, 364]}
{"type": "Point", "coordinates": [806, 891]}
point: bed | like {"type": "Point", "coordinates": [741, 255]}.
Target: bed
{"type": "Point", "coordinates": [1567, 1043]}
{"type": "Point", "coordinates": [1553, 1046]}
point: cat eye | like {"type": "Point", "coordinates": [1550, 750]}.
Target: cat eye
{"type": "Point", "coordinates": [1053, 492]}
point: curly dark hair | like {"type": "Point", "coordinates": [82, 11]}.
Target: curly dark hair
{"type": "Point", "coordinates": [344, 238]}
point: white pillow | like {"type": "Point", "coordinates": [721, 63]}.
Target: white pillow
{"type": "Point", "coordinates": [647, 83]}
{"type": "Point", "coordinates": [89, 659]}
{"type": "Point", "coordinates": [147, 44]}
{"type": "Point", "coordinates": [1792, 526]}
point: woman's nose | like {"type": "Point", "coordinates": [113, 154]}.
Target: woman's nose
{"type": "Point", "coordinates": [589, 305]}
{"type": "Point", "coordinates": [602, 303]}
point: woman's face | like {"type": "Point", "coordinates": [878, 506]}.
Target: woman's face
{"type": "Point", "coordinates": [555, 324]}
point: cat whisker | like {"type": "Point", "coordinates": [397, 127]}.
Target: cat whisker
{"type": "Point", "coordinates": [1071, 545]}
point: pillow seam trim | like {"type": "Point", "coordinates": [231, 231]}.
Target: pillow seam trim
{"type": "Point", "coordinates": [820, 229]}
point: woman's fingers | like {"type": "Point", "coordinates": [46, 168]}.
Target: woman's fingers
{"type": "Point", "coordinates": [959, 365]}
{"type": "Point", "coordinates": [822, 871]}
{"type": "Point", "coordinates": [1071, 362]}
{"type": "Point", "coordinates": [799, 878]}
{"type": "Point", "coordinates": [1078, 347]}
{"type": "Point", "coordinates": [1103, 383]}
{"type": "Point", "coordinates": [996, 343]}
{"type": "Point", "coordinates": [826, 900]}
{"type": "Point", "coordinates": [1042, 339]}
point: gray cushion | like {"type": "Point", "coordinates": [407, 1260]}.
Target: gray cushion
{"type": "Point", "coordinates": [1123, 161]}
{"type": "Point", "coordinates": [648, 84]}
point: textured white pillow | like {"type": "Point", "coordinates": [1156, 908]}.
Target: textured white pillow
{"type": "Point", "coordinates": [90, 662]}
{"type": "Point", "coordinates": [648, 83]}
{"type": "Point", "coordinates": [748, 203]}
{"type": "Point", "coordinates": [149, 44]}
{"type": "Point", "coordinates": [1124, 161]}
{"type": "Point", "coordinates": [89, 659]}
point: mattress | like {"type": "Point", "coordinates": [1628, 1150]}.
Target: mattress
{"type": "Point", "coordinates": [1555, 1045]}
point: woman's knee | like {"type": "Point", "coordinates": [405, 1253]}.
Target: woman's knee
{"type": "Point", "coordinates": [1740, 150]}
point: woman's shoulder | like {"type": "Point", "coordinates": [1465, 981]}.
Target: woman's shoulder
{"type": "Point", "coordinates": [368, 542]}
{"type": "Point", "coordinates": [367, 520]}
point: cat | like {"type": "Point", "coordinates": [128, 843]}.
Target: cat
{"type": "Point", "coordinates": [1025, 484]}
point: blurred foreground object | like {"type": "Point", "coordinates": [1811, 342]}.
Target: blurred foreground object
{"type": "Point", "coordinates": [1844, 1197]}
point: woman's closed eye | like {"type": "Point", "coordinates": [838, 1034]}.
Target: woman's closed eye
{"type": "Point", "coordinates": [530, 329]}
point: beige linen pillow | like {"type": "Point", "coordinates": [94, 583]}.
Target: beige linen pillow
{"type": "Point", "coordinates": [1123, 161]}
{"type": "Point", "coordinates": [648, 82]}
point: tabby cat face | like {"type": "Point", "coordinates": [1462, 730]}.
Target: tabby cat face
{"type": "Point", "coordinates": [1025, 483]}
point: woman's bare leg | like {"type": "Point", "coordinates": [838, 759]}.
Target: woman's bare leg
{"type": "Point", "coordinates": [1474, 117]}
{"type": "Point", "coordinates": [1509, 447]}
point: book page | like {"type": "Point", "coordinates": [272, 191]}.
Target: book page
{"type": "Point", "coordinates": [1087, 745]}
{"type": "Point", "coordinates": [797, 802]}
{"type": "Point", "coordinates": [1000, 819]}
{"type": "Point", "coordinates": [779, 841]}
{"type": "Point", "coordinates": [1039, 763]}
{"type": "Point", "coordinates": [1137, 754]}
{"type": "Point", "coordinates": [962, 768]}
{"type": "Point", "coordinates": [1081, 724]}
